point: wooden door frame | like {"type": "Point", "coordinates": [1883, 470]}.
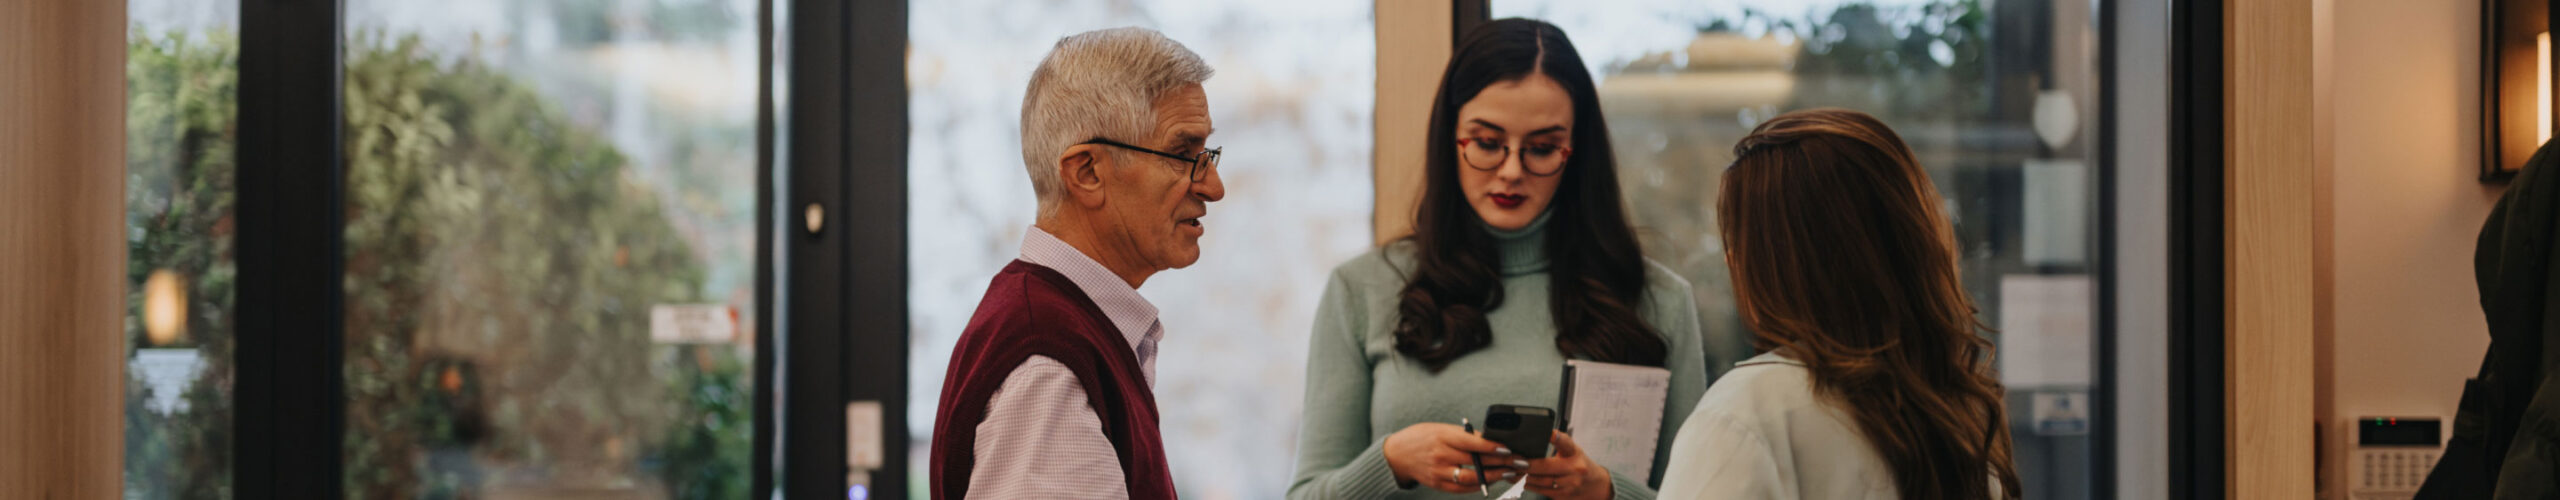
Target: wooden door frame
{"type": "Point", "coordinates": [2241, 250]}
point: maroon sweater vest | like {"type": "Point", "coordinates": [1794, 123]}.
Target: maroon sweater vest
{"type": "Point", "coordinates": [1031, 310]}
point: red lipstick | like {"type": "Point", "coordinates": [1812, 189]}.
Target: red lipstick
{"type": "Point", "coordinates": [1509, 200]}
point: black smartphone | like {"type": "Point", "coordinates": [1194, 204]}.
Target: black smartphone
{"type": "Point", "coordinates": [1523, 429]}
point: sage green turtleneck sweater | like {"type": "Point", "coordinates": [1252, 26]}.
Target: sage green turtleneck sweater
{"type": "Point", "coordinates": [1359, 389]}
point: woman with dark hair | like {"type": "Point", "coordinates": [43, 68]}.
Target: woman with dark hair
{"type": "Point", "coordinates": [1521, 258]}
{"type": "Point", "coordinates": [1873, 382]}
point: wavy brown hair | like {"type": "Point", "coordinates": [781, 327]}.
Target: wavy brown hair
{"type": "Point", "coordinates": [1595, 268]}
{"type": "Point", "coordinates": [1842, 259]}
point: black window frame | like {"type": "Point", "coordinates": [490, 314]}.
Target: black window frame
{"type": "Point", "coordinates": [846, 321]}
{"type": "Point", "coordinates": [289, 415]}
{"type": "Point", "coordinates": [2197, 435]}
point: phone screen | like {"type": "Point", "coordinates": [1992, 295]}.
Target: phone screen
{"type": "Point", "coordinates": [1523, 429]}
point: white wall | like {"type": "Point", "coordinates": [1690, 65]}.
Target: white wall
{"type": "Point", "coordinates": [2399, 90]}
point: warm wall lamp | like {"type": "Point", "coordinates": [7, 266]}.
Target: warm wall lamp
{"type": "Point", "coordinates": [2515, 84]}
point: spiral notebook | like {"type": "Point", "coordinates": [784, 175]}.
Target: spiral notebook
{"type": "Point", "coordinates": [1614, 412]}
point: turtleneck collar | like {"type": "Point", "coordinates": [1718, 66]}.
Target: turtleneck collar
{"type": "Point", "coordinates": [1524, 250]}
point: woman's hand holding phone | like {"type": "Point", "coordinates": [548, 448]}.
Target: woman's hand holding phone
{"type": "Point", "coordinates": [1567, 473]}
{"type": "Point", "coordinates": [1437, 455]}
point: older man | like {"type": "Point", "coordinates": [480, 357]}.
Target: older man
{"type": "Point", "coordinates": [1050, 392]}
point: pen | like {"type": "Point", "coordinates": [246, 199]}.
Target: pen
{"type": "Point", "coordinates": [1478, 459]}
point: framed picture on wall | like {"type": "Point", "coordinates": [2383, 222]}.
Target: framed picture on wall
{"type": "Point", "coordinates": [2515, 84]}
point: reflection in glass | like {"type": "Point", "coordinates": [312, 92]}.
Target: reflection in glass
{"type": "Point", "coordinates": [1993, 96]}
{"type": "Point", "coordinates": [1291, 99]}
{"type": "Point", "coordinates": [180, 65]}
{"type": "Point", "coordinates": [549, 236]}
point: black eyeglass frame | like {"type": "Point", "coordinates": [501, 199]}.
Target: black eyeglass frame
{"type": "Point", "coordinates": [1207, 158]}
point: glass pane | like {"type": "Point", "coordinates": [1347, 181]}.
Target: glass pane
{"type": "Point", "coordinates": [549, 244]}
{"type": "Point", "coordinates": [1291, 101]}
{"type": "Point", "coordinates": [180, 68]}
{"type": "Point", "coordinates": [1999, 99]}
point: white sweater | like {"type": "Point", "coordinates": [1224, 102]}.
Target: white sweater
{"type": "Point", "coordinates": [1762, 433]}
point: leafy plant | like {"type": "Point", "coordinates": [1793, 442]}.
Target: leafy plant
{"type": "Point", "coordinates": [1917, 63]}
{"type": "Point", "coordinates": [485, 227]}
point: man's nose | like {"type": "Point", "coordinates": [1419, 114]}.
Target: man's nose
{"type": "Point", "coordinates": [1210, 188]}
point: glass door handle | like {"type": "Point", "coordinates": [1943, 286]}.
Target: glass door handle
{"type": "Point", "coordinates": [815, 217]}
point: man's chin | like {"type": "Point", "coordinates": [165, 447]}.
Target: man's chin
{"type": "Point", "coordinates": [1186, 257]}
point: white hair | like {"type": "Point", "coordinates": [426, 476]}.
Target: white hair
{"type": "Point", "coordinates": [1098, 84]}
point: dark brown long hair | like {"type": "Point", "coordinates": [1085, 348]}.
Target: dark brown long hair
{"type": "Point", "coordinates": [1595, 272]}
{"type": "Point", "coordinates": [1842, 258]}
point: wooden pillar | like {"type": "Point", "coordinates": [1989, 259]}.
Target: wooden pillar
{"type": "Point", "coordinates": [1413, 48]}
{"type": "Point", "coordinates": [61, 248]}
{"type": "Point", "coordinates": [2268, 223]}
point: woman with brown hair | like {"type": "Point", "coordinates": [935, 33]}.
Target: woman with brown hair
{"type": "Point", "coordinates": [1873, 381]}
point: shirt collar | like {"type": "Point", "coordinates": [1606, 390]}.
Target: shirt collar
{"type": "Point", "coordinates": [1122, 304]}
{"type": "Point", "coordinates": [1778, 357]}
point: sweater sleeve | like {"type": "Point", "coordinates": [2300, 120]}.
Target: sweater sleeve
{"type": "Point", "coordinates": [1339, 456]}
{"type": "Point", "coordinates": [1673, 311]}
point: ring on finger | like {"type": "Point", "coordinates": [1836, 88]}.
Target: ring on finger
{"type": "Point", "coordinates": [1455, 473]}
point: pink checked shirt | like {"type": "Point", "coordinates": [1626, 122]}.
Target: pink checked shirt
{"type": "Point", "coordinates": [1040, 438]}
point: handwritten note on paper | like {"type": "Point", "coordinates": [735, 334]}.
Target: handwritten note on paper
{"type": "Point", "coordinates": [1616, 413]}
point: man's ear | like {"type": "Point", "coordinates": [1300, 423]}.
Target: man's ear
{"type": "Point", "coordinates": [1080, 173]}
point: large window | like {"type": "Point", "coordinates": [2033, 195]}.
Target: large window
{"type": "Point", "coordinates": [550, 217]}
{"type": "Point", "coordinates": [1291, 99]}
{"type": "Point", "coordinates": [549, 246]}
{"type": "Point", "coordinates": [1999, 99]}
{"type": "Point", "coordinates": [181, 64]}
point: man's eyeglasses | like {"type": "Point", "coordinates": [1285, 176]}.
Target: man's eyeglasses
{"type": "Point", "coordinates": [1487, 155]}
{"type": "Point", "coordinates": [1200, 165]}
